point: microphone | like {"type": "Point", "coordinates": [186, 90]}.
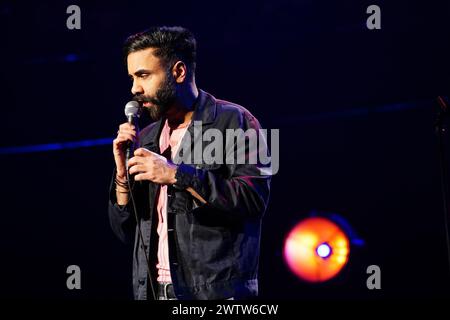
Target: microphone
{"type": "Point", "coordinates": [133, 112]}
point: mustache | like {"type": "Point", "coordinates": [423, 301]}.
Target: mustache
{"type": "Point", "coordinates": [143, 98]}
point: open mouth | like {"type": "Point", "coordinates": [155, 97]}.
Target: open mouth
{"type": "Point", "coordinates": [146, 104]}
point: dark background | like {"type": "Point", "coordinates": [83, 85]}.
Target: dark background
{"type": "Point", "coordinates": [355, 109]}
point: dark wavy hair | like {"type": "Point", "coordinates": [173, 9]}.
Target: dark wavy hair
{"type": "Point", "coordinates": [171, 43]}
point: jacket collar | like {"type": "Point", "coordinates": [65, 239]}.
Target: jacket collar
{"type": "Point", "coordinates": [204, 108]}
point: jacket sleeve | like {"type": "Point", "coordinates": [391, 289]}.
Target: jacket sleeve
{"type": "Point", "coordinates": [243, 192]}
{"type": "Point", "coordinates": [121, 218]}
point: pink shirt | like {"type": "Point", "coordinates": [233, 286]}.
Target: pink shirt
{"type": "Point", "coordinates": [165, 140]}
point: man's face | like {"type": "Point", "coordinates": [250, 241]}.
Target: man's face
{"type": "Point", "coordinates": [153, 84]}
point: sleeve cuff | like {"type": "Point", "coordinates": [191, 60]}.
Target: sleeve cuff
{"type": "Point", "coordinates": [184, 175]}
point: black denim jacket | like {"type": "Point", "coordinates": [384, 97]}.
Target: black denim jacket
{"type": "Point", "coordinates": [213, 247]}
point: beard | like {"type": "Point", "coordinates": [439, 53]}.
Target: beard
{"type": "Point", "coordinates": [162, 100]}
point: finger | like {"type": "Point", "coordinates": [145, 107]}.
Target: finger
{"type": "Point", "coordinates": [126, 125]}
{"type": "Point", "coordinates": [137, 168]}
{"type": "Point", "coordinates": [128, 134]}
{"type": "Point", "coordinates": [125, 137]}
{"type": "Point", "coordinates": [142, 152]}
{"type": "Point", "coordinates": [140, 176]}
{"type": "Point", "coordinates": [135, 160]}
{"type": "Point", "coordinates": [119, 141]}
{"type": "Point", "coordinates": [127, 131]}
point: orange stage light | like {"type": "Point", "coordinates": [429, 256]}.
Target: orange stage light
{"type": "Point", "coordinates": [316, 249]}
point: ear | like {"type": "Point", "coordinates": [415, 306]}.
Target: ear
{"type": "Point", "coordinates": [179, 71]}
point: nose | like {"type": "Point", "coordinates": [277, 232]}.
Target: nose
{"type": "Point", "coordinates": [136, 88]}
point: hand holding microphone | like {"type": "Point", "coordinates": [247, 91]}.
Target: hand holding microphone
{"type": "Point", "coordinates": [127, 137]}
{"type": "Point", "coordinates": [142, 163]}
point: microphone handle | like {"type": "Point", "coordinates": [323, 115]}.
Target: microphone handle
{"type": "Point", "coordinates": [130, 144]}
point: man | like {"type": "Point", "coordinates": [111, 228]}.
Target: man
{"type": "Point", "coordinates": [198, 224]}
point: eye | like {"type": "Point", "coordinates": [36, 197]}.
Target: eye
{"type": "Point", "coordinates": [143, 75]}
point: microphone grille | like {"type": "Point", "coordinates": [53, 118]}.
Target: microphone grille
{"type": "Point", "coordinates": [132, 109]}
